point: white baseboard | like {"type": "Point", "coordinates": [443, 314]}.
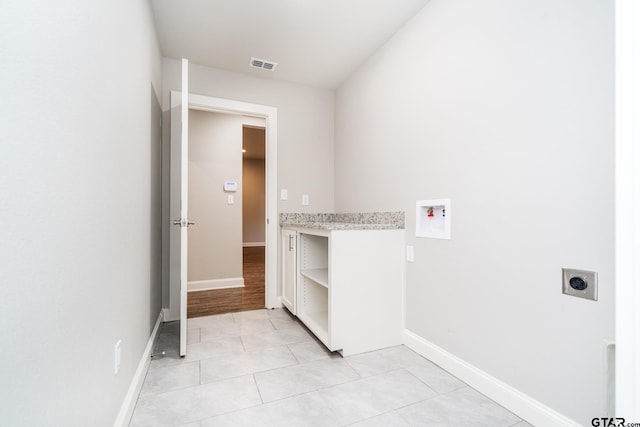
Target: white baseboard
{"type": "Point", "coordinates": [252, 244]}
{"type": "Point", "coordinates": [167, 317]}
{"type": "Point", "coordinates": [207, 285]}
{"type": "Point", "coordinates": [517, 402]}
{"type": "Point", "coordinates": [129, 403]}
{"type": "Point", "coordinates": [278, 303]}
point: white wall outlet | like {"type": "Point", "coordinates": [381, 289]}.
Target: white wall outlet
{"type": "Point", "coordinates": [410, 254]}
{"type": "Point", "coordinates": [230, 199]}
{"type": "Point", "coordinates": [305, 200]}
{"type": "Point", "coordinates": [284, 195]}
{"type": "Point", "coordinates": [117, 353]}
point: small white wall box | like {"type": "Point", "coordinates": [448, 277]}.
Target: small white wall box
{"type": "Point", "coordinates": [230, 186]}
{"type": "Point", "coordinates": [433, 218]}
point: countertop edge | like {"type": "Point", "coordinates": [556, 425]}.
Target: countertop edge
{"type": "Point", "coordinates": [344, 221]}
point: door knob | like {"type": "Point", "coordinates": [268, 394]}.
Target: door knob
{"type": "Point", "coordinates": [183, 222]}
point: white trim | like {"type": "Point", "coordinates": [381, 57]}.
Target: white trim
{"type": "Point", "coordinates": [609, 357]}
{"type": "Point", "coordinates": [252, 244]}
{"type": "Point", "coordinates": [270, 114]}
{"type": "Point", "coordinates": [517, 402]}
{"type": "Point", "coordinates": [129, 403]}
{"type": "Point", "coordinates": [206, 285]}
{"type": "Point", "coordinates": [166, 315]}
{"type": "Point", "coordinates": [403, 284]}
{"type": "Point", "coordinates": [184, 202]}
{"type": "Point", "coordinates": [627, 209]}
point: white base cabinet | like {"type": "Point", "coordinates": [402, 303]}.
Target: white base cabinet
{"type": "Point", "coordinates": [289, 269]}
{"type": "Point", "coordinates": [349, 286]}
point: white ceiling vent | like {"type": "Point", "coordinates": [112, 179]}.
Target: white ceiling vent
{"type": "Point", "coordinates": [262, 64]}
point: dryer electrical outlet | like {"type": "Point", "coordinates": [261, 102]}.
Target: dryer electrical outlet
{"type": "Point", "coordinates": [580, 283]}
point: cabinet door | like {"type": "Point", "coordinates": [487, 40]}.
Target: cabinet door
{"type": "Point", "coordinates": [289, 269]}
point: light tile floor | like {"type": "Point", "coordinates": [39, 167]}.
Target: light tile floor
{"type": "Point", "coordinates": [263, 368]}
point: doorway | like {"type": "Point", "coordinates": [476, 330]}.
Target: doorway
{"type": "Point", "coordinates": [253, 215]}
{"type": "Point", "coordinates": [226, 247]}
{"type": "Point", "coordinates": [270, 115]}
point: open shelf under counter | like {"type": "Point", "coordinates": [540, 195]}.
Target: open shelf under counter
{"type": "Point", "coordinates": [318, 275]}
{"type": "Point", "coordinates": [318, 323]}
{"type": "Point", "coordinates": [349, 279]}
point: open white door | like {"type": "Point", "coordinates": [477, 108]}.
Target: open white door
{"type": "Point", "coordinates": [179, 203]}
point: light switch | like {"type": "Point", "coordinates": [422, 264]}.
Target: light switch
{"type": "Point", "coordinates": [305, 200]}
{"type": "Point", "coordinates": [230, 199]}
{"type": "Point", "coordinates": [117, 356]}
{"type": "Point", "coordinates": [284, 194]}
{"type": "Point", "coordinates": [410, 255]}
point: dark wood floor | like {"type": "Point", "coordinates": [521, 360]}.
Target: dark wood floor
{"type": "Point", "coordinates": [251, 297]}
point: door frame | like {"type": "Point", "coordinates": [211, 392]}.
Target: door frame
{"type": "Point", "coordinates": [627, 188]}
{"type": "Point", "coordinates": [270, 114]}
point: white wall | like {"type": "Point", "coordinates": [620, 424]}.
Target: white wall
{"type": "Point", "coordinates": [305, 131]}
{"type": "Point", "coordinates": [79, 183]}
{"type": "Point", "coordinates": [253, 200]}
{"type": "Point", "coordinates": [305, 127]}
{"type": "Point", "coordinates": [215, 156]}
{"type": "Point", "coordinates": [253, 185]}
{"type": "Point", "coordinates": [507, 108]}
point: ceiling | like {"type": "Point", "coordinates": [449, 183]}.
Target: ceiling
{"type": "Point", "coordinates": [314, 42]}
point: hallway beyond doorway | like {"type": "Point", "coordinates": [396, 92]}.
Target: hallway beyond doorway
{"type": "Point", "coordinates": [250, 297]}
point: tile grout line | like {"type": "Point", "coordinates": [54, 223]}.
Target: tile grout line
{"type": "Point", "coordinates": [171, 391]}
{"type": "Point", "coordinates": [258, 388]}
{"type": "Point", "coordinates": [293, 354]}
{"type": "Point", "coordinates": [296, 363]}
{"type": "Point", "coordinates": [243, 345]}
{"type": "Point", "coordinates": [400, 407]}
{"type": "Point", "coordinates": [360, 378]}
{"type": "Point", "coordinates": [317, 389]}
{"type": "Point", "coordinates": [437, 393]}
{"type": "Point", "coordinates": [256, 372]}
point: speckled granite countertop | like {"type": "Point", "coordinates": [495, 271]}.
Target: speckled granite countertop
{"type": "Point", "coordinates": [344, 221]}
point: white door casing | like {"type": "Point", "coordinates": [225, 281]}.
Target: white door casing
{"type": "Point", "coordinates": [220, 105]}
{"type": "Point", "coordinates": [270, 114]}
{"type": "Point", "coordinates": [627, 149]}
